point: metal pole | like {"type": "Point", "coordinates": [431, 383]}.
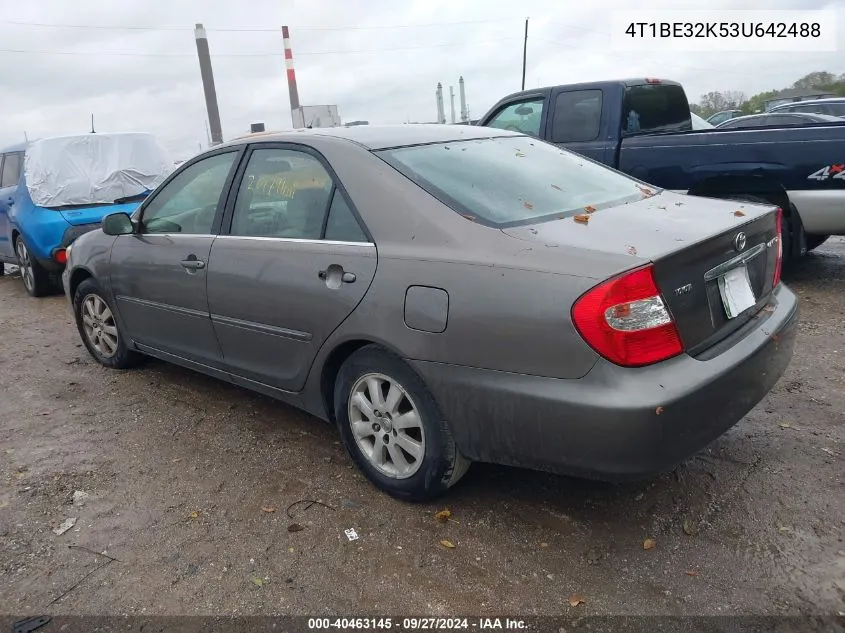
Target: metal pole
{"type": "Point", "coordinates": [524, 53]}
{"type": "Point", "coordinates": [208, 84]}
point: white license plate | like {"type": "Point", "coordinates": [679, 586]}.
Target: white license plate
{"type": "Point", "coordinates": [735, 288]}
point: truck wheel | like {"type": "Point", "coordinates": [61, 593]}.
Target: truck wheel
{"type": "Point", "coordinates": [814, 241]}
{"type": "Point", "coordinates": [788, 224]}
{"type": "Point", "coordinates": [392, 428]}
{"type": "Point", "coordinates": [36, 280]}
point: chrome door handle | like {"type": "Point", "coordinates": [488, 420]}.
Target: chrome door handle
{"type": "Point", "coordinates": [193, 264]}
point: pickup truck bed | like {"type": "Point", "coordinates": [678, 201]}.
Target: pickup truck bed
{"type": "Point", "coordinates": [642, 127]}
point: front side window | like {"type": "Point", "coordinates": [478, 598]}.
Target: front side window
{"type": "Point", "coordinates": [524, 116]}
{"type": "Point", "coordinates": [284, 193]}
{"type": "Point", "coordinates": [188, 203]}
{"type": "Point", "coordinates": [11, 170]}
{"type": "Point", "coordinates": [508, 181]}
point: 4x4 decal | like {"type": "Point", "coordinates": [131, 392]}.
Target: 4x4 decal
{"type": "Point", "coordinates": [830, 171]}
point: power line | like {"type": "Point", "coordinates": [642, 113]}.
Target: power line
{"type": "Point", "coordinates": [253, 29]}
{"type": "Point", "coordinates": [279, 54]}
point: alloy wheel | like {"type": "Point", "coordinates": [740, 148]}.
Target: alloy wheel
{"type": "Point", "coordinates": [99, 325]}
{"type": "Point", "coordinates": [386, 425]}
{"type": "Point", "coordinates": [25, 265]}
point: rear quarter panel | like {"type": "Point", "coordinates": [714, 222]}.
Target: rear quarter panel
{"type": "Point", "coordinates": [508, 301]}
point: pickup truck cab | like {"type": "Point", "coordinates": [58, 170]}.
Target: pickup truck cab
{"type": "Point", "coordinates": [643, 127]}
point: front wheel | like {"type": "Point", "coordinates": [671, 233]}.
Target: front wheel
{"type": "Point", "coordinates": [393, 429]}
{"type": "Point", "coordinates": [36, 280]}
{"type": "Point", "coordinates": [99, 329]}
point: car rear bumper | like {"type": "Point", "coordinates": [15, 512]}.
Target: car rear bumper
{"type": "Point", "coordinates": [615, 422]}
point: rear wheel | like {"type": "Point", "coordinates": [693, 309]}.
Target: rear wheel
{"type": "Point", "coordinates": [99, 329]}
{"type": "Point", "coordinates": [36, 280]}
{"type": "Point", "coordinates": [393, 429]}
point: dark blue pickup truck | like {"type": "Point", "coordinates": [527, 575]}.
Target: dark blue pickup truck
{"type": "Point", "coordinates": [642, 127]}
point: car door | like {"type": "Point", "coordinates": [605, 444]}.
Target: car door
{"type": "Point", "coordinates": [291, 265]}
{"type": "Point", "coordinates": [158, 274]}
{"type": "Point", "coordinates": [576, 123]}
{"type": "Point", "coordinates": [10, 171]}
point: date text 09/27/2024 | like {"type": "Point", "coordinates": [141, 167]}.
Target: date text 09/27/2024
{"type": "Point", "coordinates": [416, 624]}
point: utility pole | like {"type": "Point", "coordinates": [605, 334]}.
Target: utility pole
{"type": "Point", "coordinates": [207, 75]}
{"type": "Point", "coordinates": [92, 124]}
{"type": "Point", "coordinates": [25, 137]}
{"type": "Point", "coordinates": [524, 52]}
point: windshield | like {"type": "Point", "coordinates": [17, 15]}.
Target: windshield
{"type": "Point", "coordinates": [93, 169]}
{"type": "Point", "coordinates": [507, 181]}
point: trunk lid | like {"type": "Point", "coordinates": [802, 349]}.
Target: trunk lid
{"type": "Point", "coordinates": [692, 242]}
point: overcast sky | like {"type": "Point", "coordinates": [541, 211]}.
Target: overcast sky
{"type": "Point", "coordinates": [378, 60]}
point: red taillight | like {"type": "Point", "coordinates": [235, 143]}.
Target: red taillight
{"type": "Point", "coordinates": [60, 255]}
{"type": "Point", "coordinates": [652, 80]}
{"type": "Point", "coordinates": [779, 238]}
{"type": "Point", "coordinates": [626, 320]}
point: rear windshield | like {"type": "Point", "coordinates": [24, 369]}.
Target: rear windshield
{"type": "Point", "coordinates": [508, 181]}
{"type": "Point", "coordinates": [654, 109]}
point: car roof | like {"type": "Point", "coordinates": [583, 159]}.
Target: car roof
{"type": "Point", "coordinates": [376, 137]}
{"type": "Point", "coordinates": [806, 115]}
{"type": "Point", "coordinates": [792, 104]}
{"type": "Point", "coordinates": [17, 147]}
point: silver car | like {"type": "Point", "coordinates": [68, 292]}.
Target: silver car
{"type": "Point", "coordinates": [449, 294]}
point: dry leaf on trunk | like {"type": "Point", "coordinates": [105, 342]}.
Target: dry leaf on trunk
{"type": "Point", "coordinates": [739, 214]}
{"type": "Point", "coordinates": [581, 218]}
{"type": "Point", "coordinates": [590, 208]}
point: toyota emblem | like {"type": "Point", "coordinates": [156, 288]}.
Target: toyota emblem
{"type": "Point", "coordinates": [739, 241]}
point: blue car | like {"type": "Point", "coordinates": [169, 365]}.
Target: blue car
{"type": "Point", "coordinates": [53, 190]}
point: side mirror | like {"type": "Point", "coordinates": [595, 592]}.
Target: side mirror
{"type": "Point", "coordinates": [118, 224]}
{"type": "Point", "coordinates": [524, 110]}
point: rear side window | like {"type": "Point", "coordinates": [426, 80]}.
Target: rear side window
{"type": "Point", "coordinates": [577, 116]}
{"type": "Point", "coordinates": [342, 225]}
{"type": "Point", "coordinates": [654, 108]}
{"type": "Point", "coordinates": [11, 170]}
{"type": "Point", "coordinates": [834, 109]}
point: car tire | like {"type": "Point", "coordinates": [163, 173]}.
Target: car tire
{"type": "Point", "coordinates": [36, 279]}
{"type": "Point", "coordinates": [414, 460]}
{"type": "Point", "coordinates": [814, 241]}
{"type": "Point", "coordinates": [99, 329]}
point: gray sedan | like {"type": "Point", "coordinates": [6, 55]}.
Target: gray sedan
{"type": "Point", "coordinates": [448, 294]}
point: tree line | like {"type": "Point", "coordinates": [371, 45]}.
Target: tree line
{"type": "Point", "coordinates": [716, 101]}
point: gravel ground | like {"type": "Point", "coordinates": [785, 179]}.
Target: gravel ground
{"type": "Point", "coordinates": [189, 480]}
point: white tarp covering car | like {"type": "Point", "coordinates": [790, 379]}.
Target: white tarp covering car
{"type": "Point", "coordinates": [94, 168]}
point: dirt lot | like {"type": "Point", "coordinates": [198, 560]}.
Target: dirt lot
{"type": "Point", "coordinates": [183, 474]}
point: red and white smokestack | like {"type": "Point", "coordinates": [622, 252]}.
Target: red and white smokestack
{"type": "Point", "coordinates": [294, 94]}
